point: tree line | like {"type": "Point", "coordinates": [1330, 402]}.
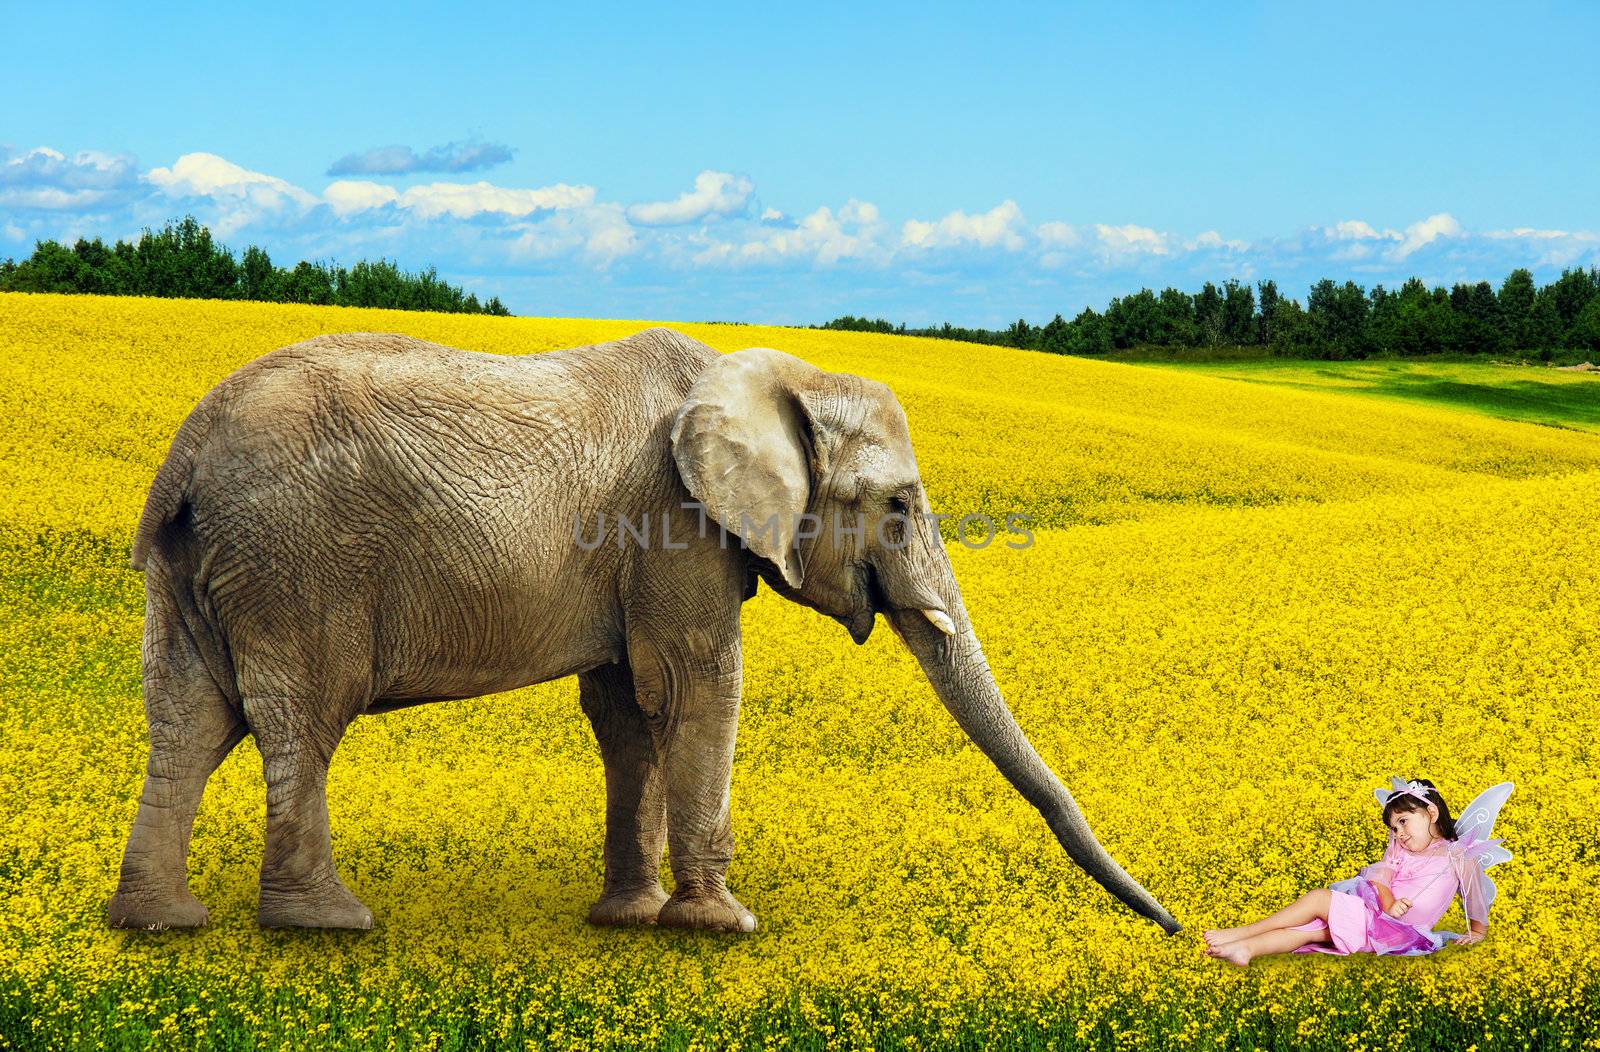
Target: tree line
{"type": "Point", "coordinates": [1338, 321]}
{"type": "Point", "coordinates": [183, 260]}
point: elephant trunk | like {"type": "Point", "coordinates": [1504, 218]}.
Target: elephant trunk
{"type": "Point", "coordinates": [953, 661]}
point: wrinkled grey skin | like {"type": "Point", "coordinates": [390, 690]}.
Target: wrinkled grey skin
{"type": "Point", "coordinates": [362, 522]}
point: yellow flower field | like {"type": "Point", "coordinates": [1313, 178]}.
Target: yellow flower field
{"type": "Point", "coordinates": [1245, 607]}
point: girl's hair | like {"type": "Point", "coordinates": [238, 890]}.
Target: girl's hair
{"type": "Point", "coordinates": [1407, 802]}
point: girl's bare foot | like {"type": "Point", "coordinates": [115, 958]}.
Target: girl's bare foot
{"type": "Point", "coordinates": [1220, 936]}
{"type": "Point", "coordinates": [1226, 950]}
{"type": "Point", "coordinates": [1237, 952]}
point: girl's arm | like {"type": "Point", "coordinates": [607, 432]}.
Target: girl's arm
{"type": "Point", "coordinates": [1380, 873]}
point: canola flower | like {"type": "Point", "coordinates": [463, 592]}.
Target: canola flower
{"type": "Point", "coordinates": [1243, 608]}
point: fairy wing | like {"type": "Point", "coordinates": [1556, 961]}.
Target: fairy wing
{"type": "Point", "coordinates": [1477, 888]}
{"type": "Point", "coordinates": [1478, 852]}
{"type": "Point", "coordinates": [1475, 825]}
{"type": "Point", "coordinates": [1489, 892]}
{"type": "Point", "coordinates": [1492, 853]}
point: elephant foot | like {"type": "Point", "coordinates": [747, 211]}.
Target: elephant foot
{"type": "Point", "coordinates": [707, 908]}
{"type": "Point", "coordinates": [628, 906]}
{"type": "Point", "coordinates": [326, 905]}
{"type": "Point", "coordinates": [152, 911]}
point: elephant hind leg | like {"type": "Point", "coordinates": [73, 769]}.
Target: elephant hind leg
{"type": "Point", "coordinates": [192, 728]}
{"type": "Point", "coordinates": [300, 887]}
{"type": "Point", "coordinates": [636, 816]}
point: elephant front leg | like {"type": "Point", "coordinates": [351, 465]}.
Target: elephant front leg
{"type": "Point", "coordinates": [636, 818]}
{"type": "Point", "coordinates": [692, 701]}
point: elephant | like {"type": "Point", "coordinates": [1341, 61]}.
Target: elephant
{"type": "Point", "coordinates": [361, 522]}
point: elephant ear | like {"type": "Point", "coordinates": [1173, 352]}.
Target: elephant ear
{"type": "Point", "coordinates": [750, 443]}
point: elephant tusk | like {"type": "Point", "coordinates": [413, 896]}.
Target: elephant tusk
{"type": "Point", "coordinates": [940, 620]}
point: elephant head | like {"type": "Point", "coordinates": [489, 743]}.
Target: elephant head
{"type": "Point", "coordinates": [814, 473]}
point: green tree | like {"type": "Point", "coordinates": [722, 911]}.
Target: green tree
{"type": "Point", "coordinates": [1269, 307]}
{"type": "Point", "coordinates": [1089, 334]}
{"type": "Point", "coordinates": [1293, 335]}
{"type": "Point", "coordinates": [1571, 293]}
{"type": "Point", "coordinates": [1338, 316]}
{"type": "Point", "coordinates": [1584, 334]}
{"type": "Point", "coordinates": [1208, 315]}
{"type": "Point", "coordinates": [53, 267]}
{"type": "Point", "coordinates": [1054, 335]}
{"type": "Point", "coordinates": [98, 274]}
{"type": "Point", "coordinates": [1413, 322]}
{"type": "Point", "coordinates": [1133, 320]}
{"type": "Point", "coordinates": [258, 278]}
{"type": "Point", "coordinates": [1516, 300]}
{"type": "Point", "coordinates": [182, 259]}
{"type": "Point", "coordinates": [1178, 318]}
{"type": "Point", "coordinates": [309, 283]}
{"type": "Point", "coordinates": [1478, 325]}
{"type": "Point", "coordinates": [1238, 313]}
{"type": "Point", "coordinates": [1546, 332]}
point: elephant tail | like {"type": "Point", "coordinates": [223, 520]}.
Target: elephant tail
{"type": "Point", "coordinates": [171, 487]}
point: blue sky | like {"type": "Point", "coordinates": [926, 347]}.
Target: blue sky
{"type": "Point", "coordinates": [971, 163]}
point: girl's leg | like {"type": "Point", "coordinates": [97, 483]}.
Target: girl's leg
{"type": "Point", "coordinates": [1279, 940]}
{"type": "Point", "coordinates": [1308, 907]}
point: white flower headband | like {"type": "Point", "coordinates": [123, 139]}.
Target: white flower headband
{"type": "Point", "coordinates": [1397, 785]}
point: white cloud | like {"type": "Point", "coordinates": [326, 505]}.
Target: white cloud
{"type": "Point", "coordinates": [37, 155]}
{"type": "Point", "coordinates": [1129, 240]}
{"type": "Point", "coordinates": [47, 180]}
{"type": "Point", "coordinates": [611, 240]}
{"type": "Point", "coordinates": [1554, 248]}
{"type": "Point", "coordinates": [1425, 232]}
{"type": "Point", "coordinates": [242, 197]}
{"type": "Point", "coordinates": [207, 175]}
{"type": "Point", "coordinates": [714, 194]}
{"type": "Point", "coordinates": [1356, 230]}
{"type": "Point", "coordinates": [349, 196]}
{"type": "Point", "coordinates": [1417, 235]}
{"type": "Point", "coordinates": [1530, 232]}
{"type": "Point", "coordinates": [856, 232]}
{"type": "Point", "coordinates": [1057, 234]}
{"type": "Point", "coordinates": [465, 200]}
{"type": "Point", "coordinates": [1351, 253]}
{"type": "Point", "coordinates": [49, 198]}
{"type": "Point", "coordinates": [1212, 239]}
{"type": "Point", "coordinates": [459, 200]}
{"type": "Point", "coordinates": [998, 226]}
{"type": "Point", "coordinates": [86, 168]}
{"type": "Point", "coordinates": [599, 232]}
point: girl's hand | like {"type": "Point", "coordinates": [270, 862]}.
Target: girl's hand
{"type": "Point", "coordinates": [1398, 907]}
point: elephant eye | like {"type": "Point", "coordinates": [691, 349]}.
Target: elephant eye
{"type": "Point", "coordinates": [899, 505]}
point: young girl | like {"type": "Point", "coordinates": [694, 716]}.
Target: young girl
{"type": "Point", "coordinates": [1392, 906]}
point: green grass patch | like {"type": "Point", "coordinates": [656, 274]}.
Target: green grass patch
{"type": "Point", "coordinates": [1534, 394]}
{"type": "Point", "coordinates": [474, 1008]}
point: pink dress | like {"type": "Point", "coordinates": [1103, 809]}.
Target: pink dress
{"type": "Point", "coordinates": [1429, 878]}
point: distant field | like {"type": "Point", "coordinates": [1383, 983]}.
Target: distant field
{"type": "Point", "coordinates": [1535, 393]}
{"type": "Point", "coordinates": [1255, 593]}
